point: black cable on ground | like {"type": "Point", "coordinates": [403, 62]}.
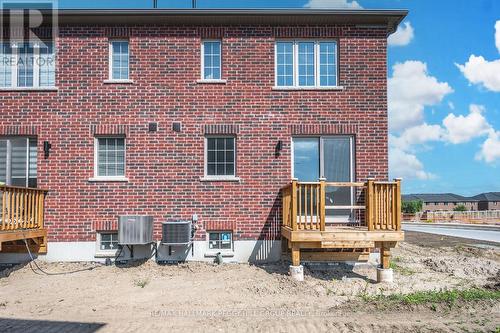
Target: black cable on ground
{"type": "Point", "coordinates": [45, 272]}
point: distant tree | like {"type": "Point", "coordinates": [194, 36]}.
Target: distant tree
{"type": "Point", "coordinates": [460, 208]}
{"type": "Point", "coordinates": [411, 207]}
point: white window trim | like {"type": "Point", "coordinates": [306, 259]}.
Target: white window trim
{"type": "Point", "coordinates": [207, 177]}
{"type": "Point", "coordinates": [104, 253]}
{"type": "Point", "coordinates": [322, 161]}
{"type": "Point", "coordinates": [209, 253]}
{"type": "Point", "coordinates": [110, 62]}
{"type": "Point", "coordinates": [98, 178]}
{"type": "Point", "coordinates": [295, 50]}
{"type": "Point", "coordinates": [36, 70]}
{"type": "Point", "coordinates": [203, 80]}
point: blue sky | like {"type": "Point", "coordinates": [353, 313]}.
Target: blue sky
{"type": "Point", "coordinates": [444, 87]}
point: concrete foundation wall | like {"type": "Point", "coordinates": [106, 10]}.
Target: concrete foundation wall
{"type": "Point", "coordinates": [244, 251]}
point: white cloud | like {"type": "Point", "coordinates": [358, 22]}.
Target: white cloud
{"type": "Point", "coordinates": [403, 35]}
{"type": "Point", "coordinates": [406, 165]}
{"type": "Point", "coordinates": [481, 71]}
{"type": "Point", "coordinates": [455, 129]}
{"type": "Point", "coordinates": [410, 89]}
{"type": "Point", "coordinates": [497, 35]}
{"type": "Point", "coordinates": [417, 135]}
{"type": "Point", "coordinates": [490, 149]}
{"type": "Point", "coordinates": [353, 4]}
{"type": "Point", "coordinates": [462, 129]}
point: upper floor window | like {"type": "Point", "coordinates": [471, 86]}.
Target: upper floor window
{"type": "Point", "coordinates": [24, 65]}
{"type": "Point", "coordinates": [119, 60]}
{"type": "Point", "coordinates": [211, 60]}
{"type": "Point", "coordinates": [306, 63]}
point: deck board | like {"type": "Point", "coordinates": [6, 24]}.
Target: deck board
{"type": "Point", "coordinates": [38, 237]}
{"type": "Point", "coordinates": [342, 234]}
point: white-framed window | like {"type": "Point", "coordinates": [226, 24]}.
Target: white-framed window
{"type": "Point", "coordinates": [220, 240]}
{"type": "Point", "coordinates": [220, 157]}
{"type": "Point", "coordinates": [211, 60]}
{"type": "Point", "coordinates": [119, 60]}
{"type": "Point", "coordinates": [27, 65]}
{"type": "Point", "coordinates": [18, 161]}
{"type": "Point", "coordinates": [109, 157]}
{"type": "Point", "coordinates": [106, 243]}
{"type": "Point", "coordinates": [306, 63]}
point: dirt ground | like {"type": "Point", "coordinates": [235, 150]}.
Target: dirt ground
{"type": "Point", "coordinates": [246, 298]}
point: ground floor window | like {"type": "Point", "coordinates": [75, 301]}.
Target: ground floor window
{"type": "Point", "coordinates": [220, 157]}
{"type": "Point", "coordinates": [329, 157]}
{"type": "Point", "coordinates": [220, 240]}
{"type": "Point", "coordinates": [110, 157]}
{"type": "Point", "coordinates": [108, 241]}
{"type": "Point", "coordinates": [18, 161]}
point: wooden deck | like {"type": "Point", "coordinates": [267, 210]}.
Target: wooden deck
{"type": "Point", "coordinates": [374, 222]}
{"type": "Point", "coordinates": [22, 218]}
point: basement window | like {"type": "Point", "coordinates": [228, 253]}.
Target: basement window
{"type": "Point", "coordinates": [106, 243]}
{"type": "Point", "coordinates": [220, 240]}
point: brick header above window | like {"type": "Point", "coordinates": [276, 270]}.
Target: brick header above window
{"type": "Point", "coordinates": [211, 32]}
{"type": "Point", "coordinates": [307, 32]}
{"type": "Point", "coordinates": [220, 225]}
{"type": "Point", "coordinates": [19, 130]}
{"type": "Point", "coordinates": [221, 129]}
{"type": "Point", "coordinates": [105, 225]}
{"type": "Point", "coordinates": [109, 129]}
{"type": "Point", "coordinates": [340, 128]}
{"type": "Point", "coordinates": [118, 32]}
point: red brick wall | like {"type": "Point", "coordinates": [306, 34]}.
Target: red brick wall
{"type": "Point", "coordinates": [164, 168]}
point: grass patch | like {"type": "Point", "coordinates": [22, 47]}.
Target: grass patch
{"type": "Point", "coordinates": [401, 270]}
{"type": "Point", "coordinates": [433, 297]}
{"type": "Point", "coordinates": [141, 283]}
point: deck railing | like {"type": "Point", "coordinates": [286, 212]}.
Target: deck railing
{"type": "Point", "coordinates": [21, 208]}
{"type": "Point", "coordinates": [377, 205]}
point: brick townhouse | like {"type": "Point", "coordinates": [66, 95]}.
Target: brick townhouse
{"type": "Point", "coordinates": [197, 115]}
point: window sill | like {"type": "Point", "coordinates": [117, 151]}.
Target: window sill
{"type": "Point", "coordinates": [224, 253]}
{"type": "Point", "coordinates": [308, 88]}
{"type": "Point", "coordinates": [220, 179]}
{"type": "Point", "coordinates": [108, 179]}
{"type": "Point", "coordinates": [28, 89]}
{"type": "Point", "coordinates": [118, 81]}
{"type": "Point", "coordinates": [106, 254]}
{"type": "Point", "coordinates": [212, 81]}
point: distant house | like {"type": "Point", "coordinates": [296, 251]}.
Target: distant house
{"type": "Point", "coordinates": [488, 201]}
{"type": "Point", "coordinates": [442, 201]}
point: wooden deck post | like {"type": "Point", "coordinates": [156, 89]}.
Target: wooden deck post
{"type": "Point", "coordinates": [398, 204]}
{"type": "Point", "coordinates": [322, 203]}
{"type": "Point", "coordinates": [385, 256]}
{"type": "Point", "coordinates": [294, 204]}
{"type": "Point", "coordinates": [295, 254]}
{"type": "Point", "coordinates": [370, 207]}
